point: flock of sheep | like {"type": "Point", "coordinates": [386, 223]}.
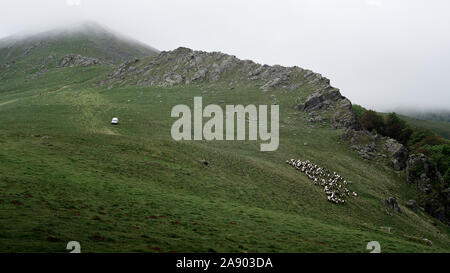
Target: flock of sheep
{"type": "Point", "coordinates": [334, 185]}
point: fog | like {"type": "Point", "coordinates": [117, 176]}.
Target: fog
{"type": "Point", "coordinates": [382, 54]}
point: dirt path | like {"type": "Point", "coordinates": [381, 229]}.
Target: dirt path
{"type": "Point", "coordinates": [62, 87]}
{"type": "Point", "coordinates": [8, 102]}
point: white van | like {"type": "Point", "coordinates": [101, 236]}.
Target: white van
{"type": "Point", "coordinates": [115, 121]}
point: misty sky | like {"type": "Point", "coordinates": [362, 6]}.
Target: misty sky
{"type": "Point", "coordinates": [381, 53]}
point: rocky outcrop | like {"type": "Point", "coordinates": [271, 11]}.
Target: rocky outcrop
{"type": "Point", "coordinates": [184, 66]}
{"type": "Point", "coordinates": [366, 151]}
{"type": "Point", "coordinates": [371, 146]}
{"type": "Point", "coordinates": [377, 147]}
{"type": "Point", "coordinates": [422, 173]}
{"type": "Point", "coordinates": [412, 205]}
{"type": "Point", "coordinates": [331, 100]}
{"type": "Point", "coordinates": [434, 197]}
{"type": "Point", "coordinates": [427, 242]}
{"type": "Point", "coordinates": [363, 142]}
{"type": "Point", "coordinates": [321, 100]}
{"type": "Point", "coordinates": [398, 153]}
{"type": "Point", "coordinates": [77, 60]}
{"type": "Point", "coordinates": [124, 67]}
{"type": "Point", "coordinates": [391, 203]}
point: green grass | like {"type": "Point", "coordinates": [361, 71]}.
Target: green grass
{"type": "Point", "coordinates": [67, 174]}
{"type": "Point", "coordinates": [441, 128]}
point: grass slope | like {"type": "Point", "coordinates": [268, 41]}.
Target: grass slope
{"type": "Point", "coordinates": [441, 128]}
{"type": "Point", "coordinates": [67, 174]}
{"type": "Point", "coordinates": [87, 38]}
{"type": "Point", "coordinates": [28, 59]}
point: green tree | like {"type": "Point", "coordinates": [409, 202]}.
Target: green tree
{"type": "Point", "coordinates": [397, 129]}
{"type": "Point", "coordinates": [440, 155]}
{"type": "Point", "coordinates": [417, 136]}
{"type": "Point", "coordinates": [370, 120]}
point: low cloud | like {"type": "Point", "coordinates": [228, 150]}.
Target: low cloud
{"type": "Point", "coordinates": [374, 3]}
{"type": "Point", "coordinates": [72, 3]}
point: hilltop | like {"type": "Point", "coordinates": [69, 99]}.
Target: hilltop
{"type": "Point", "coordinates": [31, 55]}
{"type": "Point", "coordinates": [184, 66]}
{"type": "Point", "coordinates": [89, 39]}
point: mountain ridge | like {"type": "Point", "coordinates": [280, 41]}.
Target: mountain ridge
{"type": "Point", "coordinates": [184, 66]}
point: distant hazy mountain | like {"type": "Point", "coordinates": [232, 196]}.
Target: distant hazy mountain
{"type": "Point", "coordinates": [87, 39]}
{"type": "Point", "coordinates": [437, 115]}
{"type": "Point", "coordinates": [441, 128]}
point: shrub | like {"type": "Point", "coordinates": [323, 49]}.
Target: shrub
{"type": "Point", "coordinates": [397, 129]}
{"type": "Point", "coordinates": [358, 110]}
{"type": "Point", "coordinates": [418, 135]}
{"type": "Point", "coordinates": [440, 155]}
{"type": "Point", "coordinates": [370, 120]}
{"type": "Point", "coordinates": [446, 177]}
{"type": "Point", "coordinates": [430, 140]}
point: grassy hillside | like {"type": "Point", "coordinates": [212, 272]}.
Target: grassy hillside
{"type": "Point", "coordinates": [27, 59]}
{"type": "Point", "coordinates": [433, 115]}
{"type": "Point", "coordinates": [87, 38]}
{"type": "Point", "coordinates": [67, 174]}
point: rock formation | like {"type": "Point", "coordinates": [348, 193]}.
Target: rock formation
{"type": "Point", "coordinates": [398, 153]}
{"type": "Point", "coordinates": [391, 203]}
{"type": "Point", "coordinates": [420, 172]}
{"type": "Point", "coordinates": [412, 205]}
{"type": "Point", "coordinates": [184, 66]}
{"type": "Point", "coordinates": [378, 147]}
{"type": "Point", "coordinates": [434, 198]}
{"type": "Point", "coordinates": [77, 60]}
{"type": "Point", "coordinates": [330, 99]}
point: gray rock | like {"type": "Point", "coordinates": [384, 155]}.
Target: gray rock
{"type": "Point", "coordinates": [205, 163]}
{"type": "Point", "coordinates": [388, 229]}
{"type": "Point", "coordinates": [121, 70]}
{"type": "Point", "coordinates": [331, 99]}
{"type": "Point", "coordinates": [398, 153]}
{"type": "Point", "coordinates": [367, 151]}
{"type": "Point", "coordinates": [391, 203]}
{"type": "Point", "coordinates": [427, 179]}
{"type": "Point", "coordinates": [295, 86]}
{"type": "Point", "coordinates": [427, 242]}
{"type": "Point", "coordinates": [411, 204]}
{"type": "Point", "coordinates": [172, 79]}
{"type": "Point", "coordinates": [210, 67]}
{"type": "Point", "coordinates": [271, 84]}
{"type": "Point", "coordinates": [420, 172]}
{"type": "Point", "coordinates": [200, 75]}
{"type": "Point", "coordinates": [315, 101]}
{"type": "Point", "coordinates": [315, 117]}
{"type": "Point", "coordinates": [77, 60]}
